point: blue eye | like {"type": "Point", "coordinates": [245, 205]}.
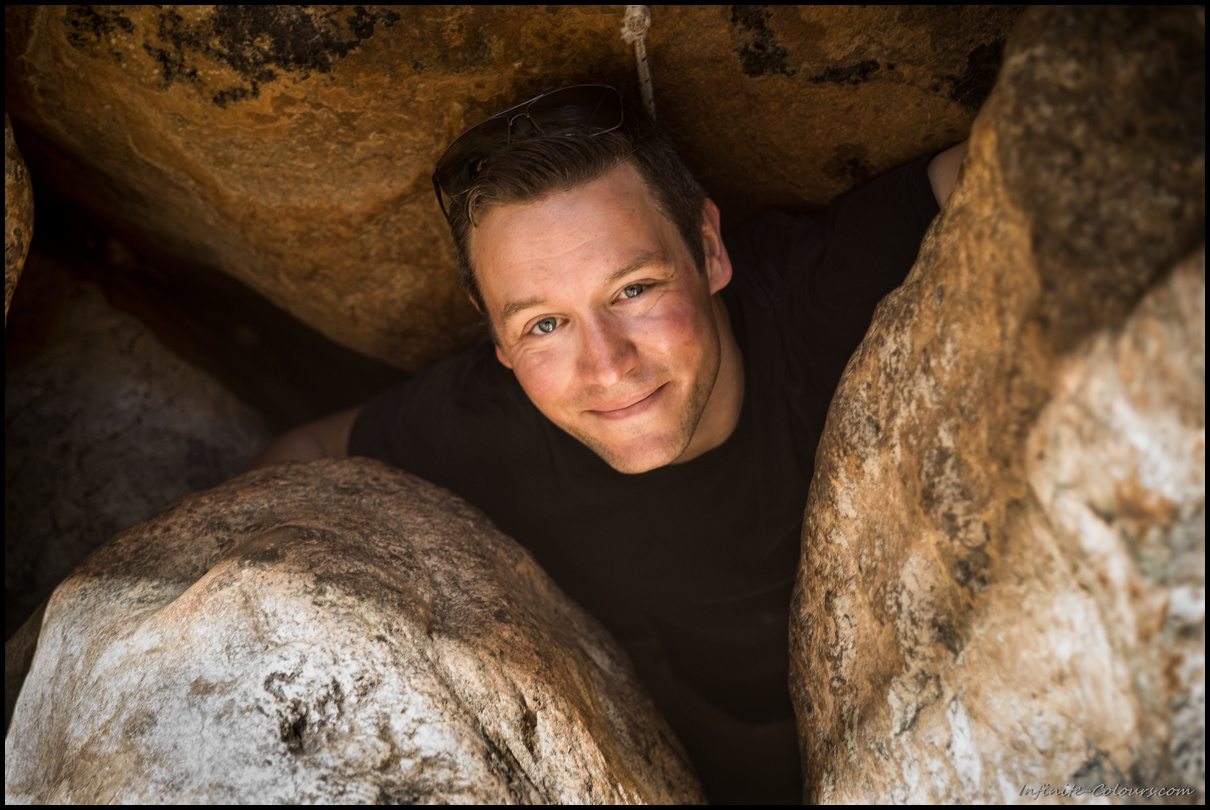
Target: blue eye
{"type": "Point", "coordinates": [633, 290]}
{"type": "Point", "coordinates": [546, 325]}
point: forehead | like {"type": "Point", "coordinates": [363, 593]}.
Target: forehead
{"type": "Point", "coordinates": [569, 238]}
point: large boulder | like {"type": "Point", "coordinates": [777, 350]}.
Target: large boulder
{"type": "Point", "coordinates": [291, 147]}
{"type": "Point", "coordinates": [103, 427]}
{"type": "Point", "coordinates": [335, 632]}
{"type": "Point", "coordinates": [1002, 589]}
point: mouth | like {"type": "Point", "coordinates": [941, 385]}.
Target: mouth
{"type": "Point", "coordinates": [627, 408]}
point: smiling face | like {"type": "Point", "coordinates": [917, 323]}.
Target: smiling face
{"type": "Point", "coordinates": [613, 332]}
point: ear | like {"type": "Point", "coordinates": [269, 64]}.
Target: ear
{"type": "Point", "coordinates": [718, 263]}
{"type": "Point", "coordinates": [504, 361]}
{"type": "Point", "coordinates": [491, 330]}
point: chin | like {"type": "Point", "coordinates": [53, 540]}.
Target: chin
{"type": "Point", "coordinates": [647, 444]}
{"type": "Point", "coordinates": [631, 460]}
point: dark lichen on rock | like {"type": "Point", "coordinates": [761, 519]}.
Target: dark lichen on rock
{"type": "Point", "coordinates": [90, 26]}
{"type": "Point", "coordinates": [258, 44]}
{"type": "Point", "coordinates": [760, 53]}
{"type": "Point", "coordinates": [975, 84]}
{"type": "Point", "coordinates": [850, 163]}
{"type": "Point", "coordinates": [858, 73]}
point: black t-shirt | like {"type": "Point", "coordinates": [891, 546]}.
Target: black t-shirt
{"type": "Point", "coordinates": [698, 556]}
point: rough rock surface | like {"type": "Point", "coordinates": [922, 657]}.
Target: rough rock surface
{"type": "Point", "coordinates": [103, 427]}
{"type": "Point", "coordinates": [333, 632]}
{"type": "Point", "coordinates": [18, 214]}
{"type": "Point", "coordinates": [292, 147]}
{"type": "Point", "coordinates": [1003, 575]}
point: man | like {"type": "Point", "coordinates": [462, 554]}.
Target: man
{"type": "Point", "coordinates": [646, 415]}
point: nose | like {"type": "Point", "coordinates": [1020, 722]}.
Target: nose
{"type": "Point", "coordinates": [607, 355]}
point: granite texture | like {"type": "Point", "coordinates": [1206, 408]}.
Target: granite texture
{"type": "Point", "coordinates": [338, 632]}
{"type": "Point", "coordinates": [1003, 575]}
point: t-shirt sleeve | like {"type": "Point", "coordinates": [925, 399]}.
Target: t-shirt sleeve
{"type": "Point", "coordinates": [462, 413]}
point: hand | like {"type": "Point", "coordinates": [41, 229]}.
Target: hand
{"type": "Point", "coordinates": [943, 171]}
{"type": "Point", "coordinates": [325, 438]}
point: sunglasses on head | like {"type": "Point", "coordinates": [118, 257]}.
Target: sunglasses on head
{"type": "Point", "coordinates": [582, 110]}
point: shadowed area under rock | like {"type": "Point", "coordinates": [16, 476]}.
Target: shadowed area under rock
{"type": "Point", "coordinates": [332, 632]}
{"type": "Point", "coordinates": [104, 426]}
{"type": "Point", "coordinates": [1003, 574]}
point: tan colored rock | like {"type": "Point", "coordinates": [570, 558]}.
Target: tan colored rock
{"type": "Point", "coordinates": [292, 147]}
{"type": "Point", "coordinates": [103, 427]}
{"type": "Point", "coordinates": [785, 105]}
{"type": "Point", "coordinates": [1003, 574]}
{"type": "Point", "coordinates": [333, 632]}
{"type": "Point", "coordinates": [18, 214]}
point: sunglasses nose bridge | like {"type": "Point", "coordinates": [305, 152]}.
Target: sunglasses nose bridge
{"type": "Point", "coordinates": [529, 128]}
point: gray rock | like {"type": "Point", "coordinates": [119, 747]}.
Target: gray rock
{"type": "Point", "coordinates": [103, 427]}
{"type": "Point", "coordinates": [332, 632]}
{"type": "Point", "coordinates": [1003, 577]}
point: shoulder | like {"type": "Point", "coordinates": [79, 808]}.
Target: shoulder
{"type": "Point", "coordinates": [448, 410]}
{"type": "Point", "coordinates": [890, 211]}
{"type": "Point", "coordinates": [765, 247]}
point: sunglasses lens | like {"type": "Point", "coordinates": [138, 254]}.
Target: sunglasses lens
{"type": "Point", "coordinates": [586, 109]}
{"type": "Point", "coordinates": [459, 163]}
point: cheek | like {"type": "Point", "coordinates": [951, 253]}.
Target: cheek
{"type": "Point", "coordinates": [676, 333]}
{"type": "Point", "coordinates": [544, 376]}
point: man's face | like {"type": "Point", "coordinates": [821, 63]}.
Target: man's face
{"type": "Point", "coordinates": [611, 329]}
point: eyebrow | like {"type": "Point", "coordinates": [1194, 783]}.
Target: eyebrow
{"type": "Point", "coordinates": [513, 307]}
{"type": "Point", "coordinates": [642, 260]}
{"type": "Point", "coordinates": [639, 262]}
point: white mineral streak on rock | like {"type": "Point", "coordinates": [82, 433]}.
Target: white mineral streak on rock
{"type": "Point", "coordinates": [961, 749]}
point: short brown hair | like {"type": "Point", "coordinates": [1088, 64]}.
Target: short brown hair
{"type": "Point", "coordinates": [530, 169]}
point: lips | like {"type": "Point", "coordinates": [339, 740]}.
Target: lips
{"type": "Point", "coordinates": [626, 408]}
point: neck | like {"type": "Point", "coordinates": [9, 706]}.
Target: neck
{"type": "Point", "coordinates": [727, 398]}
